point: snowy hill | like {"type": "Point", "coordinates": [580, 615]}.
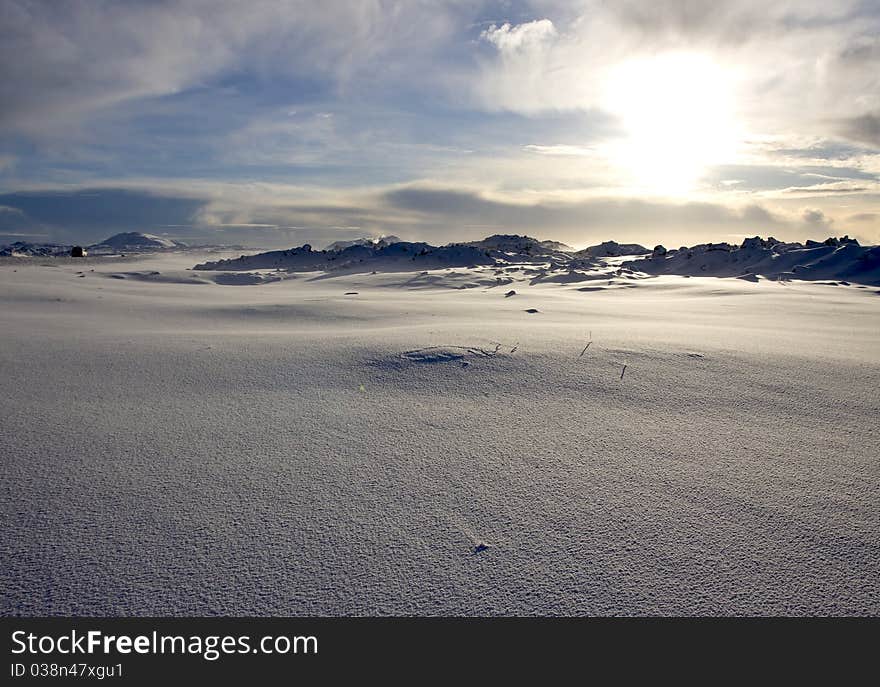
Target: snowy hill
{"type": "Point", "coordinates": [834, 259]}
{"type": "Point", "coordinates": [377, 242]}
{"type": "Point", "coordinates": [507, 245]}
{"type": "Point", "coordinates": [613, 249]}
{"type": "Point", "coordinates": [390, 253]}
{"type": "Point", "coordinates": [134, 241]}
{"type": "Point", "coordinates": [372, 256]}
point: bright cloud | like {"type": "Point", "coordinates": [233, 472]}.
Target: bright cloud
{"type": "Point", "coordinates": [522, 37]}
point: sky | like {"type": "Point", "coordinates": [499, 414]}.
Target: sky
{"type": "Point", "coordinates": [272, 123]}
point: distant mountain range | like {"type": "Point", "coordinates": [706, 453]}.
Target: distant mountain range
{"type": "Point", "coordinates": [836, 258]}
{"type": "Point", "coordinates": [29, 250]}
{"type": "Point", "coordinates": [400, 255]}
{"type": "Point", "coordinates": [131, 242]}
{"type": "Point", "coordinates": [841, 259]}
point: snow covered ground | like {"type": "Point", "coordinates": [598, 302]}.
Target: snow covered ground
{"type": "Point", "coordinates": [179, 442]}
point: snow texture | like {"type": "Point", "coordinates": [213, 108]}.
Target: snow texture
{"type": "Point", "coordinates": [416, 443]}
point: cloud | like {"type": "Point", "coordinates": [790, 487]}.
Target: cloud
{"type": "Point", "coordinates": [788, 178]}
{"type": "Point", "coordinates": [558, 149]}
{"type": "Point", "coordinates": [14, 224]}
{"type": "Point", "coordinates": [864, 217]}
{"type": "Point", "coordinates": [862, 129]}
{"type": "Point", "coordinates": [814, 216]}
{"type": "Point", "coordinates": [266, 215]}
{"type": "Point", "coordinates": [792, 60]}
{"type": "Point", "coordinates": [67, 60]}
{"type": "Point", "coordinates": [581, 221]}
{"type": "Point", "coordinates": [286, 138]}
{"type": "Point", "coordinates": [522, 37]}
{"type": "Point", "coordinates": [822, 189]}
{"type": "Point", "coordinates": [821, 151]}
{"type": "Point", "coordinates": [429, 118]}
{"type": "Point", "coordinates": [93, 214]}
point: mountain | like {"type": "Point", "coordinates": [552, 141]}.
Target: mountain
{"type": "Point", "coordinates": [513, 244]}
{"type": "Point", "coordinates": [613, 249]}
{"type": "Point", "coordinates": [389, 253]}
{"type": "Point", "coordinates": [27, 250]}
{"type": "Point", "coordinates": [377, 242]}
{"type": "Point", "coordinates": [134, 241]}
{"type": "Point", "coordinates": [835, 259]}
{"type": "Point", "coordinates": [840, 259]}
{"type": "Point", "coordinates": [373, 256]}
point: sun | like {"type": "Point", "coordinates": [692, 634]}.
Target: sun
{"type": "Point", "coordinates": [677, 111]}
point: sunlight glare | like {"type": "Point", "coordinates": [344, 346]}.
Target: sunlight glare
{"type": "Point", "coordinates": [677, 111]}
